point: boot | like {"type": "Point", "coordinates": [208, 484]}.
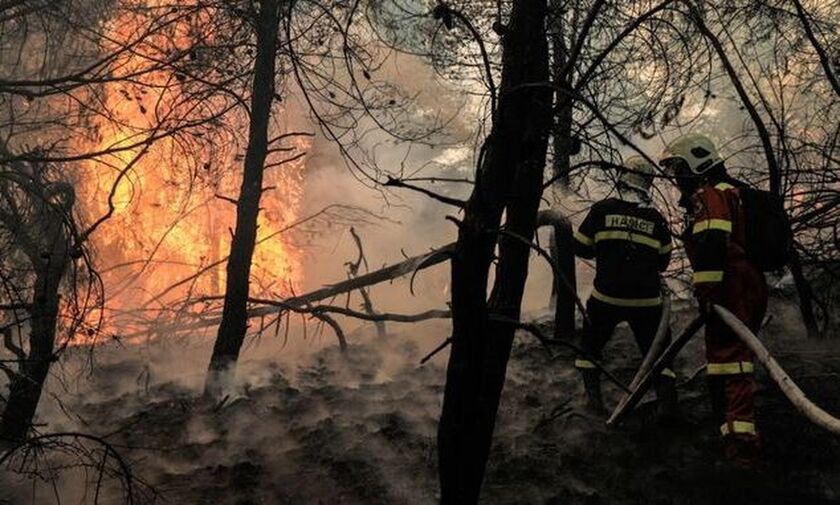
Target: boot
{"type": "Point", "coordinates": [666, 394]}
{"type": "Point", "coordinates": [592, 386]}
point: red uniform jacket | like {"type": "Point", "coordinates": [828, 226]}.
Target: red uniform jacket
{"type": "Point", "coordinates": [723, 275]}
{"type": "Point", "coordinates": [714, 240]}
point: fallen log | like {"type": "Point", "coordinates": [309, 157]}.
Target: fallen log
{"type": "Point", "coordinates": [364, 316]}
{"type": "Point", "coordinates": [383, 274]}
{"type": "Point", "coordinates": [388, 273]}
{"type": "Point", "coordinates": [805, 406]}
{"type": "Point", "coordinates": [644, 384]}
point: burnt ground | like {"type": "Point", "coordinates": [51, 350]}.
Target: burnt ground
{"type": "Point", "coordinates": [338, 430]}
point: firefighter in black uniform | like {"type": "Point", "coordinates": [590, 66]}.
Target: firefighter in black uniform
{"type": "Point", "coordinates": [631, 245]}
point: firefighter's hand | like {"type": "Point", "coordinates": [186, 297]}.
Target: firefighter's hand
{"type": "Point", "coordinates": [705, 299]}
{"type": "Point", "coordinates": [707, 295]}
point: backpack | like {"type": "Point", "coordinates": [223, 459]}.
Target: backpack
{"type": "Point", "coordinates": [768, 235]}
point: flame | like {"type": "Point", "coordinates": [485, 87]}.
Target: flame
{"type": "Point", "coordinates": [172, 216]}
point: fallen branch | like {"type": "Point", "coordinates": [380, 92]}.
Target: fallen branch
{"type": "Point", "coordinates": [323, 212]}
{"type": "Point", "coordinates": [436, 196]}
{"type": "Point", "coordinates": [386, 316]}
{"type": "Point", "coordinates": [354, 272]}
{"type": "Point", "coordinates": [443, 345]}
{"type": "Point", "coordinates": [339, 333]}
{"type": "Point", "coordinates": [39, 443]}
{"type": "Point", "coordinates": [814, 413]}
{"type": "Point", "coordinates": [432, 259]}
{"type": "Point", "coordinates": [384, 274]}
{"type": "Point", "coordinates": [391, 272]}
{"type": "Point", "coordinates": [304, 303]}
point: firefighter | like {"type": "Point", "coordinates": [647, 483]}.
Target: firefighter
{"type": "Point", "coordinates": [715, 242]}
{"type": "Point", "coordinates": [631, 245]}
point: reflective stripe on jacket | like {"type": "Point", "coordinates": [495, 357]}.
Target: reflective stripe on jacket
{"type": "Point", "coordinates": [714, 237]}
{"type": "Point", "coordinates": [631, 245]}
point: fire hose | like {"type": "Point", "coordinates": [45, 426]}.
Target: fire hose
{"type": "Point", "coordinates": [659, 342]}
{"type": "Point", "coordinates": [805, 406]}
{"type": "Point", "coordinates": [657, 348]}
{"type": "Point", "coordinates": [642, 385]}
{"type": "Point", "coordinates": [644, 378]}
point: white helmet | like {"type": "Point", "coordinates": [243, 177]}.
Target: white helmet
{"type": "Point", "coordinates": [696, 150]}
{"type": "Point", "coordinates": [638, 174]}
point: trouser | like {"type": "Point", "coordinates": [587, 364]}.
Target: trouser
{"type": "Point", "coordinates": [730, 367]}
{"type": "Point", "coordinates": [603, 318]}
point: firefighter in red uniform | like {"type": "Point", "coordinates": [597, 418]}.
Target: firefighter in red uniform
{"type": "Point", "coordinates": [715, 242]}
{"type": "Point", "coordinates": [631, 244]}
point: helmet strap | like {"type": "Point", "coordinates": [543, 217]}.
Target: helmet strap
{"type": "Point", "coordinates": [688, 184]}
{"type": "Point", "coordinates": [716, 172]}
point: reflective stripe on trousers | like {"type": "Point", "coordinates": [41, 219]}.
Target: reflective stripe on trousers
{"type": "Point", "coordinates": [734, 368]}
{"type": "Point", "coordinates": [584, 364]}
{"type": "Point", "coordinates": [738, 428]}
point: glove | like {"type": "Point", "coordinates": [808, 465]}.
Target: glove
{"type": "Point", "coordinates": [706, 297]}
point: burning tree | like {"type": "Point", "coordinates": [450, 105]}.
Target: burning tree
{"type": "Point", "coordinates": [123, 101]}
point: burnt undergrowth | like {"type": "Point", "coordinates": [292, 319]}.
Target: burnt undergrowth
{"type": "Point", "coordinates": [359, 428]}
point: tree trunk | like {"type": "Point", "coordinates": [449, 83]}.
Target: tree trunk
{"type": "Point", "coordinates": [25, 389]}
{"type": "Point", "coordinates": [806, 300]}
{"type": "Point", "coordinates": [510, 175]}
{"type": "Point", "coordinates": [234, 322]}
{"type": "Point", "coordinates": [562, 247]}
{"type": "Point", "coordinates": [562, 252]}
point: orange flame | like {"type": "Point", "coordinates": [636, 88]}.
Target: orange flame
{"type": "Point", "coordinates": [169, 223]}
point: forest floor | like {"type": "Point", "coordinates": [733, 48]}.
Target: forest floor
{"type": "Point", "coordinates": [360, 429]}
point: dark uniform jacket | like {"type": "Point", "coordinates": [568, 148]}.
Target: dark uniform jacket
{"type": "Point", "coordinates": [631, 245]}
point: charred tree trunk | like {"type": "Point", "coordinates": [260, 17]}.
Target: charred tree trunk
{"type": "Point", "coordinates": [234, 322]}
{"type": "Point", "coordinates": [562, 252]}
{"type": "Point", "coordinates": [806, 296]}
{"type": "Point", "coordinates": [509, 176]}
{"type": "Point", "coordinates": [50, 263]}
